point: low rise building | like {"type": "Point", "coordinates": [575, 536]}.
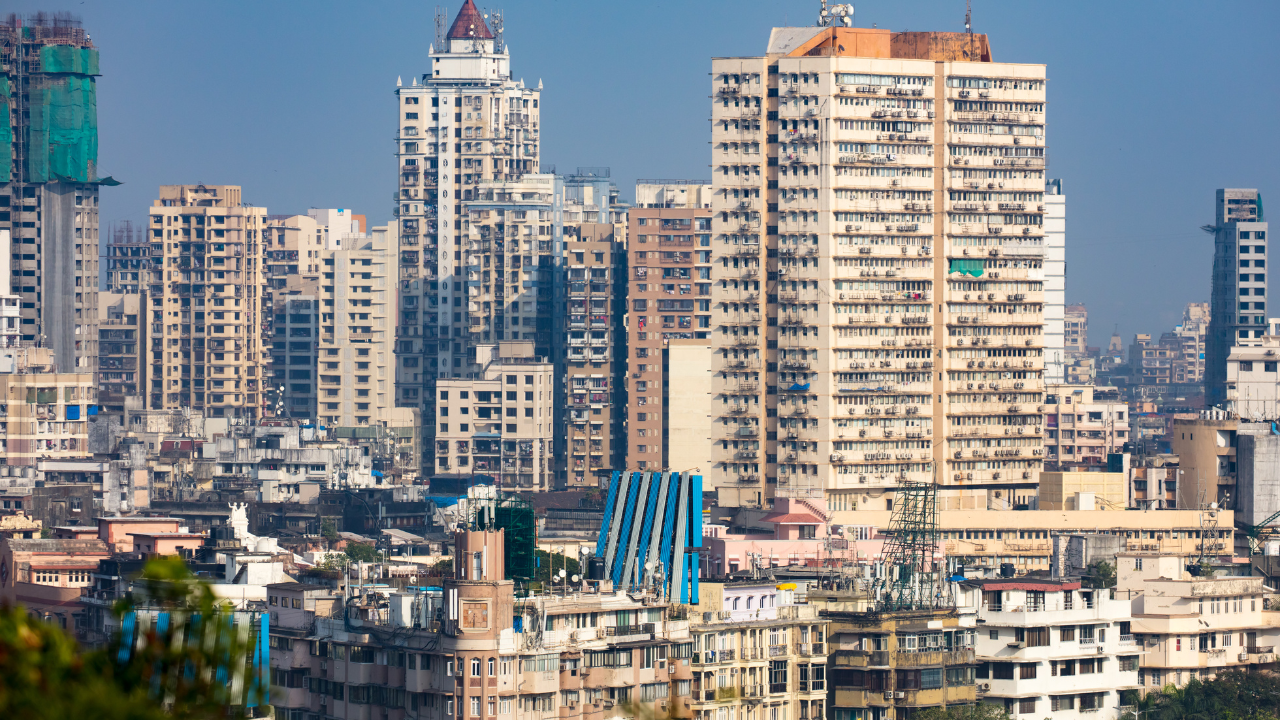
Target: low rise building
{"type": "Point", "coordinates": [1048, 648]}
{"type": "Point", "coordinates": [886, 665]}
{"type": "Point", "coordinates": [988, 539]}
{"type": "Point", "coordinates": [756, 652]}
{"type": "Point", "coordinates": [1190, 627]}
{"type": "Point", "coordinates": [47, 575]}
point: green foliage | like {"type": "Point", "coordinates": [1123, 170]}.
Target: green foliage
{"type": "Point", "coordinates": [359, 552]}
{"type": "Point", "coordinates": [1230, 696]}
{"type": "Point", "coordinates": [549, 561]}
{"type": "Point", "coordinates": [46, 533]}
{"type": "Point", "coordinates": [443, 568]}
{"type": "Point", "coordinates": [328, 529]}
{"type": "Point", "coordinates": [44, 675]}
{"type": "Point", "coordinates": [1100, 574]}
{"type": "Point", "coordinates": [980, 711]}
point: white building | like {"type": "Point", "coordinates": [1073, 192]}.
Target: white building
{"type": "Point", "coordinates": [463, 121]}
{"type": "Point", "coordinates": [356, 361]}
{"type": "Point", "coordinates": [1055, 283]}
{"type": "Point", "coordinates": [1052, 649]}
{"type": "Point", "coordinates": [1190, 627]}
{"type": "Point", "coordinates": [1253, 384]}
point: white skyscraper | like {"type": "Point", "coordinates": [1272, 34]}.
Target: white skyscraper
{"type": "Point", "coordinates": [464, 122]}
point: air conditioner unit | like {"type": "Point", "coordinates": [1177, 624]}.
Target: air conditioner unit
{"type": "Point", "coordinates": [984, 687]}
{"type": "Point", "coordinates": [899, 694]}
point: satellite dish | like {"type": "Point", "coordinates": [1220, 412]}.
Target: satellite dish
{"type": "Point", "coordinates": [576, 578]}
{"type": "Point", "coordinates": [562, 573]}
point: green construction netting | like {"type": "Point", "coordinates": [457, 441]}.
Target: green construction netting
{"type": "Point", "coordinates": [64, 119]}
{"type": "Point", "coordinates": [69, 59]}
{"type": "Point", "coordinates": [6, 134]}
{"type": "Point", "coordinates": [967, 267]}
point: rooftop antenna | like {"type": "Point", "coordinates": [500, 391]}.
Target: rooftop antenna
{"type": "Point", "coordinates": [968, 18]}
{"type": "Point", "coordinates": [495, 24]}
{"type": "Point", "coordinates": [442, 19]}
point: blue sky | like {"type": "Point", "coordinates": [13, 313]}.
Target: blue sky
{"type": "Point", "coordinates": [1151, 107]}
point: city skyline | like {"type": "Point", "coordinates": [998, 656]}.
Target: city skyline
{"type": "Point", "coordinates": [329, 148]}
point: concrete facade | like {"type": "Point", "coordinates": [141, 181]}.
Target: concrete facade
{"type": "Point", "coordinates": [1083, 424]}
{"type": "Point", "coordinates": [889, 236]}
{"type": "Point", "coordinates": [1055, 282]}
{"type": "Point", "coordinates": [501, 423]}
{"type": "Point", "coordinates": [592, 399]}
{"type": "Point", "coordinates": [355, 370]}
{"type": "Point", "coordinates": [669, 299]}
{"type": "Point", "coordinates": [1238, 308]}
{"type": "Point", "coordinates": [464, 120]}
{"type": "Point", "coordinates": [206, 345]}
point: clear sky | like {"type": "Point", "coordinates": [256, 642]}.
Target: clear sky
{"type": "Point", "coordinates": [1151, 107]}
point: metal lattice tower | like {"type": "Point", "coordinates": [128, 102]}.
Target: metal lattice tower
{"type": "Point", "coordinates": [911, 579]}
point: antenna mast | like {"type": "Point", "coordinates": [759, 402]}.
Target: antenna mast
{"type": "Point", "coordinates": [494, 17]}
{"type": "Point", "coordinates": [442, 20]}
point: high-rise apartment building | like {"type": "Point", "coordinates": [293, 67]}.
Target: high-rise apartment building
{"type": "Point", "coordinates": [128, 259]}
{"type": "Point", "coordinates": [1076, 330]}
{"type": "Point", "coordinates": [356, 371]}
{"type": "Point", "coordinates": [1193, 332]}
{"type": "Point", "coordinates": [464, 122]}
{"type": "Point", "coordinates": [49, 182]}
{"type": "Point", "coordinates": [878, 279]}
{"type": "Point", "coordinates": [1055, 282]}
{"type": "Point", "coordinates": [204, 313]}
{"type": "Point", "coordinates": [121, 340]}
{"type": "Point", "coordinates": [591, 310]}
{"type": "Point", "coordinates": [669, 298]}
{"type": "Point", "coordinates": [1238, 312]}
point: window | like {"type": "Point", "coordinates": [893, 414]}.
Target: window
{"type": "Point", "coordinates": [475, 667]}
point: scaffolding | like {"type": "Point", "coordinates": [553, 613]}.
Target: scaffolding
{"type": "Point", "coordinates": [912, 576]}
{"type": "Point", "coordinates": [49, 90]}
{"type": "Point", "coordinates": [514, 515]}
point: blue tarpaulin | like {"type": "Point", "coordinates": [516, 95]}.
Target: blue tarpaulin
{"type": "Point", "coordinates": [799, 386]}
{"type": "Point", "coordinates": [73, 412]}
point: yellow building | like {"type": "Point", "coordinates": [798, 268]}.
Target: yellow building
{"type": "Point", "coordinates": [885, 665]}
{"type": "Point", "coordinates": [1082, 491]}
{"type": "Point", "coordinates": [45, 415]}
{"type": "Point", "coordinates": [205, 317]}
{"type": "Point", "coordinates": [1024, 538]}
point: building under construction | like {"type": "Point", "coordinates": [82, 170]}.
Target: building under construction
{"type": "Point", "coordinates": [49, 181]}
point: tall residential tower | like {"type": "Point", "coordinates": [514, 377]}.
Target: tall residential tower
{"type": "Point", "coordinates": [465, 122]}
{"type": "Point", "coordinates": [878, 281]}
{"type": "Point", "coordinates": [49, 182]}
{"type": "Point", "coordinates": [1238, 307]}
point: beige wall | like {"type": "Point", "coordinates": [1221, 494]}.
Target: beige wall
{"type": "Point", "coordinates": [1206, 455]}
{"type": "Point", "coordinates": [1061, 490]}
{"type": "Point", "coordinates": [689, 410]}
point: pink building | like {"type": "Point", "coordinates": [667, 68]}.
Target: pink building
{"type": "Point", "coordinates": [800, 536]}
{"type": "Point", "coordinates": [118, 532]}
{"type": "Point", "coordinates": [166, 543]}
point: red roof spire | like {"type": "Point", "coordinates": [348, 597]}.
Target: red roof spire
{"type": "Point", "coordinates": [469, 25]}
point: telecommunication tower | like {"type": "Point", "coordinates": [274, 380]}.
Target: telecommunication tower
{"type": "Point", "coordinates": [912, 580]}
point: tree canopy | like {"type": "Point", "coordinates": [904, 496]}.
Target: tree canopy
{"type": "Point", "coordinates": [176, 669]}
